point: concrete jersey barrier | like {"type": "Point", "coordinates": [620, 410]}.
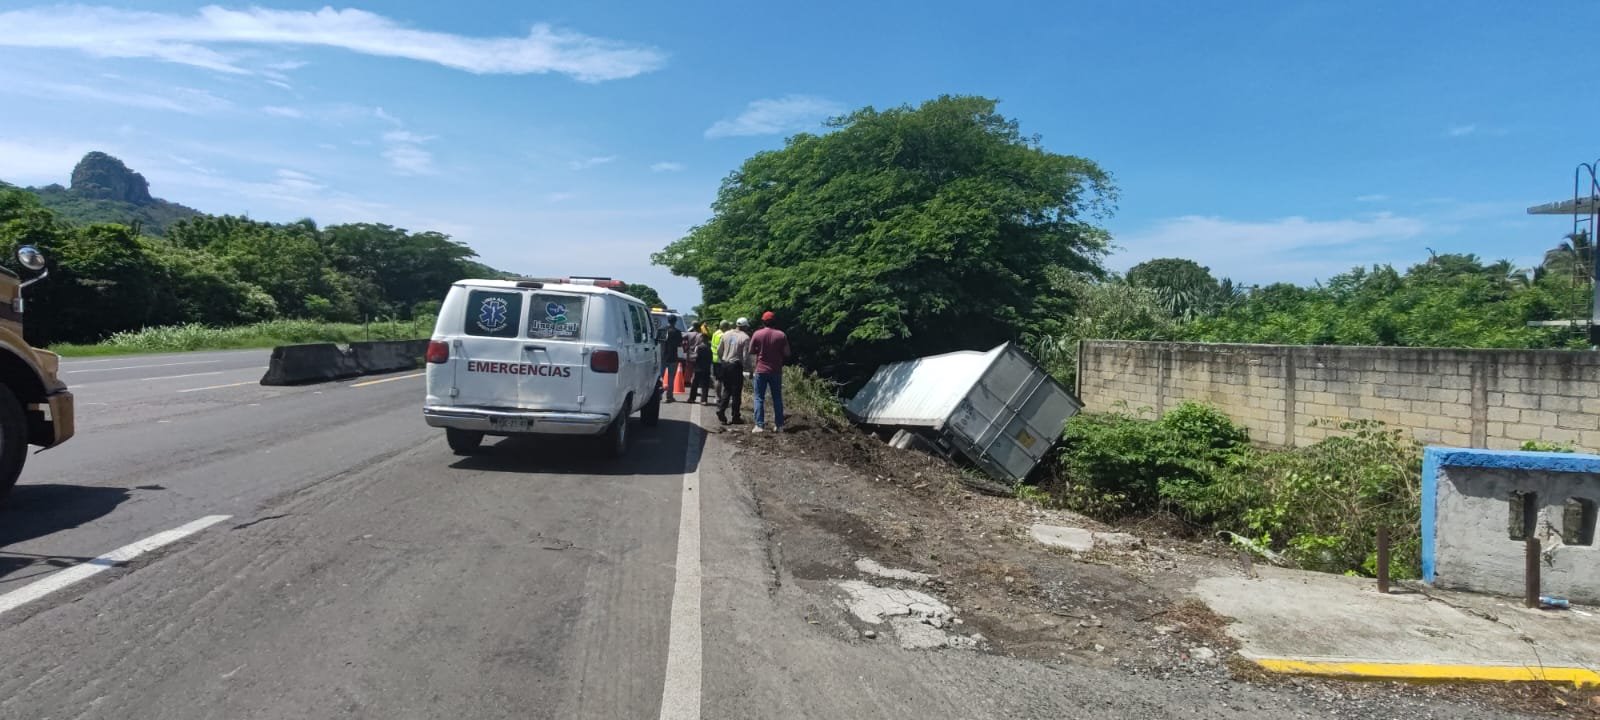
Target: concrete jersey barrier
{"type": "Point", "coordinates": [322, 362]}
{"type": "Point", "coordinates": [388, 356]}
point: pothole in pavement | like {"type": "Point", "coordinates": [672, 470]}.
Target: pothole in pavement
{"type": "Point", "coordinates": [918, 620]}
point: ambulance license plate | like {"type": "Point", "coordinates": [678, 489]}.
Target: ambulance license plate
{"type": "Point", "coordinates": [513, 425]}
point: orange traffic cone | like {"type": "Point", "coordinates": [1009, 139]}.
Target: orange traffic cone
{"type": "Point", "coordinates": [677, 385]}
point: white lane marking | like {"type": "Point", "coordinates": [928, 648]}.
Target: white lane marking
{"type": "Point", "coordinates": [391, 379]}
{"type": "Point", "coordinates": [219, 387]}
{"type": "Point", "coordinates": [680, 693]}
{"type": "Point", "coordinates": [137, 367]}
{"type": "Point", "coordinates": [78, 386]}
{"type": "Point", "coordinates": [67, 362]}
{"type": "Point", "coordinates": [78, 573]}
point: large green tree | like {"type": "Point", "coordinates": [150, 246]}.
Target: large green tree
{"type": "Point", "coordinates": [900, 233]}
{"type": "Point", "coordinates": [1184, 287]}
{"type": "Point", "coordinates": [645, 293]}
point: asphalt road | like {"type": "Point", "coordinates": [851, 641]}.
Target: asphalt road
{"type": "Point", "coordinates": [363, 570]}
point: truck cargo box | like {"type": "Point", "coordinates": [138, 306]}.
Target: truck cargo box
{"type": "Point", "coordinates": [997, 408]}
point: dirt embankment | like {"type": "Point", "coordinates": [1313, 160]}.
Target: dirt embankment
{"type": "Point", "coordinates": [838, 496]}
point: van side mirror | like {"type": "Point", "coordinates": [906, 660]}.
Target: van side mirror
{"type": "Point", "coordinates": [661, 334]}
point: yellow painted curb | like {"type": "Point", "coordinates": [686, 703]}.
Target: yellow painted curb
{"type": "Point", "coordinates": [1429, 671]}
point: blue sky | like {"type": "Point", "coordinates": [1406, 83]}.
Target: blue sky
{"type": "Point", "coordinates": [1268, 140]}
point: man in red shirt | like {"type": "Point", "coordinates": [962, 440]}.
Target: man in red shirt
{"type": "Point", "coordinates": [771, 349]}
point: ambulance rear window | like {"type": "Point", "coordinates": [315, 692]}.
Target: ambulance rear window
{"type": "Point", "coordinates": [555, 317]}
{"type": "Point", "coordinates": [493, 314]}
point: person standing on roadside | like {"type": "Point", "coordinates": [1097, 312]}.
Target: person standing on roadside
{"type": "Point", "coordinates": [716, 355]}
{"type": "Point", "coordinates": [700, 357]}
{"type": "Point", "coordinates": [692, 342]}
{"type": "Point", "coordinates": [770, 346]}
{"type": "Point", "coordinates": [671, 349]}
{"type": "Point", "coordinates": [735, 355]}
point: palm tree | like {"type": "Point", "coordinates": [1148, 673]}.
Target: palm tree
{"type": "Point", "coordinates": [1573, 258]}
{"type": "Point", "coordinates": [1510, 275]}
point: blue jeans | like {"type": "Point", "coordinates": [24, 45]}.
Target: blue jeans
{"type": "Point", "coordinates": [773, 382]}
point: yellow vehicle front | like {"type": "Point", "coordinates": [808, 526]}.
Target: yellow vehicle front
{"type": "Point", "coordinates": [35, 405]}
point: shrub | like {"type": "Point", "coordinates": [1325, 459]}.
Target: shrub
{"type": "Point", "coordinates": [1320, 506]}
{"type": "Point", "coordinates": [1323, 504]}
{"type": "Point", "coordinates": [1116, 464]}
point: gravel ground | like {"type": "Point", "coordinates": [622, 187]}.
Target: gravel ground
{"type": "Point", "coordinates": [840, 495]}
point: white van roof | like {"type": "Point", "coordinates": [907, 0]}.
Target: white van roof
{"type": "Point", "coordinates": [557, 286]}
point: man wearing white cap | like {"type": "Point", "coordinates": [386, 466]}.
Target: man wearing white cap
{"type": "Point", "coordinates": [734, 352]}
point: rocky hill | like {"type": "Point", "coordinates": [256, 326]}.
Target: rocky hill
{"type": "Point", "coordinates": [104, 189]}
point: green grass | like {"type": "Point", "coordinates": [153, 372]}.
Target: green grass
{"type": "Point", "coordinates": [815, 395]}
{"type": "Point", "coordinates": [184, 338]}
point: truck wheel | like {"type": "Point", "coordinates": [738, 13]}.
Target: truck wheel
{"type": "Point", "coordinates": [616, 437]}
{"type": "Point", "coordinates": [463, 442]}
{"type": "Point", "coordinates": [650, 414]}
{"type": "Point", "coordinates": [13, 440]}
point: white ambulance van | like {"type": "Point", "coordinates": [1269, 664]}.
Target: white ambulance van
{"type": "Point", "coordinates": [528, 357]}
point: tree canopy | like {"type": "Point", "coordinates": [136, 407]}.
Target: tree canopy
{"type": "Point", "coordinates": [902, 232]}
{"type": "Point", "coordinates": [646, 293]}
{"type": "Point", "coordinates": [1184, 287]}
{"type": "Point", "coordinates": [224, 270]}
{"type": "Point", "coordinates": [1446, 301]}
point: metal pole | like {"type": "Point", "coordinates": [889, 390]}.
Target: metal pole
{"type": "Point", "coordinates": [1594, 255]}
{"type": "Point", "coordinates": [1383, 559]}
{"type": "Point", "coordinates": [1530, 574]}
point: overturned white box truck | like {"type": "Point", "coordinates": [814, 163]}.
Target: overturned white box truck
{"type": "Point", "coordinates": [999, 409]}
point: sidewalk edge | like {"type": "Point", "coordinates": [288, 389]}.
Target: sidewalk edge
{"type": "Point", "coordinates": [1370, 670]}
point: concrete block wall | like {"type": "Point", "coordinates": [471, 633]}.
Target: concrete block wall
{"type": "Point", "coordinates": [1459, 398]}
{"type": "Point", "coordinates": [1473, 534]}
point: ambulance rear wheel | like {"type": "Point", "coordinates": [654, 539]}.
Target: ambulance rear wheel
{"type": "Point", "coordinates": [616, 436]}
{"type": "Point", "coordinates": [650, 414]}
{"type": "Point", "coordinates": [463, 442]}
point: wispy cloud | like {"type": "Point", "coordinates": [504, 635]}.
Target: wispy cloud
{"type": "Point", "coordinates": [1376, 197]}
{"type": "Point", "coordinates": [405, 136]}
{"type": "Point", "coordinates": [40, 161]}
{"type": "Point", "coordinates": [557, 197]}
{"type": "Point", "coordinates": [773, 116]}
{"type": "Point", "coordinates": [189, 39]}
{"type": "Point", "coordinates": [1456, 131]}
{"type": "Point", "coordinates": [286, 65]}
{"type": "Point", "coordinates": [295, 183]}
{"type": "Point", "coordinates": [1295, 249]}
{"type": "Point", "coordinates": [283, 112]}
{"type": "Point", "coordinates": [666, 167]}
{"type": "Point", "coordinates": [587, 163]}
{"type": "Point", "coordinates": [379, 113]}
{"type": "Point", "coordinates": [188, 101]}
{"type": "Point", "coordinates": [192, 164]}
{"type": "Point", "coordinates": [403, 149]}
{"type": "Point", "coordinates": [288, 193]}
